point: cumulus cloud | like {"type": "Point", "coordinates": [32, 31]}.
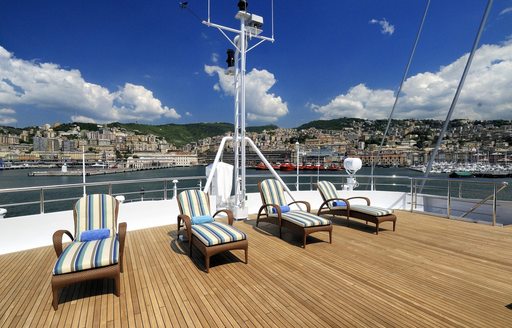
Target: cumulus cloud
{"type": "Point", "coordinates": [359, 101]}
{"type": "Point", "coordinates": [506, 11]}
{"type": "Point", "coordinates": [261, 105]}
{"type": "Point", "coordinates": [486, 93]}
{"type": "Point", "coordinates": [386, 27]}
{"type": "Point", "coordinates": [6, 116]}
{"type": "Point", "coordinates": [47, 85]}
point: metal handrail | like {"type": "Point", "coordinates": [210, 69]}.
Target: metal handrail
{"type": "Point", "coordinates": [171, 184]}
{"type": "Point", "coordinates": [495, 192]}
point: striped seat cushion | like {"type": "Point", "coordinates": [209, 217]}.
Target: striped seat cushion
{"type": "Point", "coordinates": [273, 192]}
{"type": "Point", "coordinates": [194, 203]}
{"type": "Point", "coordinates": [305, 219]}
{"type": "Point", "coordinates": [96, 211]}
{"type": "Point", "coordinates": [79, 256]}
{"type": "Point", "coordinates": [371, 210]}
{"type": "Point", "coordinates": [328, 191]}
{"type": "Point", "coordinates": [217, 233]}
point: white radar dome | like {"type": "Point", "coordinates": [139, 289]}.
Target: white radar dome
{"type": "Point", "coordinates": [352, 164]}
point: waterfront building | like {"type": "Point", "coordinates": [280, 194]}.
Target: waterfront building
{"type": "Point", "coordinates": [43, 144]}
{"type": "Point", "coordinates": [144, 160]}
{"type": "Point", "coordinates": [9, 139]}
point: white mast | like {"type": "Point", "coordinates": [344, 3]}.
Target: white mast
{"type": "Point", "coordinates": [250, 27]}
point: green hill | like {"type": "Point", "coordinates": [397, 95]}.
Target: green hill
{"type": "Point", "coordinates": [181, 134]}
{"type": "Point", "coordinates": [177, 134]}
{"type": "Point", "coordinates": [335, 124]}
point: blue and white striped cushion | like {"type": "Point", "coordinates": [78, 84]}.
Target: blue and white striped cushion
{"type": "Point", "coordinates": [194, 203]}
{"type": "Point", "coordinates": [371, 210]}
{"type": "Point", "coordinates": [79, 256]}
{"type": "Point", "coordinates": [328, 191]}
{"type": "Point", "coordinates": [305, 219]}
{"type": "Point", "coordinates": [273, 192]}
{"type": "Point", "coordinates": [96, 211]}
{"type": "Point", "coordinates": [217, 233]}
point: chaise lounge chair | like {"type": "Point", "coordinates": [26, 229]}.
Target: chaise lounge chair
{"type": "Point", "coordinates": [96, 250]}
{"type": "Point", "coordinates": [209, 236]}
{"type": "Point", "coordinates": [335, 205]}
{"type": "Point", "coordinates": [274, 201]}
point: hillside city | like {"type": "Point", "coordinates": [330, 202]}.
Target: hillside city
{"type": "Point", "coordinates": [409, 143]}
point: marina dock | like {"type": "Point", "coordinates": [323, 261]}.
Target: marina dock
{"type": "Point", "coordinates": [91, 172]}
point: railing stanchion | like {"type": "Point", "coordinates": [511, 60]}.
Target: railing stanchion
{"type": "Point", "coordinates": [412, 194]}
{"type": "Point", "coordinates": [41, 201]}
{"type": "Point", "coordinates": [311, 183]}
{"type": "Point", "coordinates": [460, 189]}
{"type": "Point", "coordinates": [165, 189]}
{"type": "Point", "coordinates": [175, 188]}
{"type": "Point", "coordinates": [110, 189]}
{"type": "Point", "coordinates": [415, 194]}
{"type": "Point", "coordinates": [494, 203]}
{"type": "Point", "coordinates": [449, 200]}
{"type": "Point", "coordinates": [200, 184]}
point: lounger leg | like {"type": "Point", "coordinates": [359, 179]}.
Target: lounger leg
{"type": "Point", "coordinates": [207, 263]}
{"type": "Point", "coordinates": [304, 241]}
{"type": "Point", "coordinates": [179, 226]}
{"type": "Point", "coordinates": [117, 281]}
{"type": "Point", "coordinates": [246, 255]}
{"type": "Point", "coordinates": [394, 224]}
{"type": "Point", "coordinates": [377, 228]}
{"type": "Point", "coordinates": [330, 236]}
{"type": "Point", "coordinates": [55, 302]}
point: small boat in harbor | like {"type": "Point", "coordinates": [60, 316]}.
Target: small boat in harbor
{"type": "Point", "coordinates": [461, 174]}
{"type": "Point", "coordinates": [287, 166]}
{"type": "Point", "coordinates": [334, 167]}
{"type": "Point", "coordinates": [261, 166]}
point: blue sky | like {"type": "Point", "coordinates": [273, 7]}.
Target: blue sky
{"type": "Point", "coordinates": [152, 62]}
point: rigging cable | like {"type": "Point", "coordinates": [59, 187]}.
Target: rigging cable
{"type": "Point", "coordinates": [457, 93]}
{"type": "Point", "coordinates": [406, 72]}
{"type": "Point", "coordinates": [184, 5]}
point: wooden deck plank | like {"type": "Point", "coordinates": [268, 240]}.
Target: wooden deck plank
{"type": "Point", "coordinates": [430, 272]}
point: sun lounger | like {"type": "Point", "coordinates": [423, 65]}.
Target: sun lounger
{"type": "Point", "coordinates": [337, 206]}
{"type": "Point", "coordinates": [276, 210]}
{"type": "Point", "coordinates": [96, 250]}
{"type": "Point", "coordinates": [208, 235]}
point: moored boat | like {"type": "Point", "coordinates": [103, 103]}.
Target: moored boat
{"type": "Point", "coordinates": [261, 166]}
{"type": "Point", "coordinates": [287, 166]}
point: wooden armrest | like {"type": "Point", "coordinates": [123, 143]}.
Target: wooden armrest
{"type": "Point", "coordinates": [308, 207]}
{"type": "Point", "coordinates": [57, 240]}
{"type": "Point", "coordinates": [228, 213]}
{"type": "Point", "coordinates": [264, 207]}
{"type": "Point", "coordinates": [326, 203]}
{"type": "Point", "coordinates": [121, 232]}
{"type": "Point", "coordinates": [361, 197]}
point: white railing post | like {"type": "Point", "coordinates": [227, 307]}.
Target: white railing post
{"type": "Point", "coordinates": [175, 188]}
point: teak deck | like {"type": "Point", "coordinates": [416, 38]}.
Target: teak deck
{"type": "Point", "coordinates": [430, 272]}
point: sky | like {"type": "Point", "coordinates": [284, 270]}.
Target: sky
{"type": "Point", "coordinates": [153, 62]}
